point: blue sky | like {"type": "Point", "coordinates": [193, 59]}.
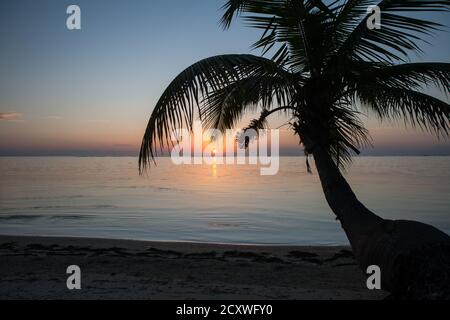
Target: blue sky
{"type": "Point", "coordinates": [91, 91]}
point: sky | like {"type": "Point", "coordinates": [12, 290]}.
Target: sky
{"type": "Point", "coordinates": [91, 91]}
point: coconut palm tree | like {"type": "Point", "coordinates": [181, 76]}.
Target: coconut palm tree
{"type": "Point", "coordinates": [322, 66]}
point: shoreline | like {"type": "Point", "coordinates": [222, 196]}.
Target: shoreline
{"type": "Point", "coordinates": [35, 268]}
{"type": "Point", "coordinates": [163, 242]}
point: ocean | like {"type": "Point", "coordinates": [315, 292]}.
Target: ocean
{"type": "Point", "coordinates": [105, 197]}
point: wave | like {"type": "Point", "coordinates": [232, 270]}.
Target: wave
{"type": "Point", "coordinates": [63, 207]}
{"type": "Point", "coordinates": [21, 217]}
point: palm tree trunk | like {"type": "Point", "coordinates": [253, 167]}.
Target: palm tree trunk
{"type": "Point", "coordinates": [414, 258]}
{"type": "Point", "coordinates": [357, 221]}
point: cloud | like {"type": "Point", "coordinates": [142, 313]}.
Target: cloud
{"type": "Point", "coordinates": [9, 116]}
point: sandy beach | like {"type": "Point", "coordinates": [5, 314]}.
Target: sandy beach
{"type": "Point", "coordinates": [35, 268]}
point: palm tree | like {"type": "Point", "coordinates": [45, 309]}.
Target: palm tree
{"type": "Point", "coordinates": [326, 66]}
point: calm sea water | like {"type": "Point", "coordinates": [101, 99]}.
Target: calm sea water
{"type": "Point", "coordinates": [105, 197]}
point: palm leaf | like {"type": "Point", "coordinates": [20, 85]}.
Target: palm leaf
{"type": "Point", "coordinates": [398, 35]}
{"type": "Point", "coordinates": [223, 108]}
{"type": "Point", "coordinates": [181, 100]}
{"type": "Point", "coordinates": [412, 107]}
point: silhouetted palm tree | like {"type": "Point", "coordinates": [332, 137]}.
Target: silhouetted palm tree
{"type": "Point", "coordinates": [325, 66]}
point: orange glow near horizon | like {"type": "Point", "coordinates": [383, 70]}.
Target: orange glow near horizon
{"type": "Point", "coordinates": [125, 136]}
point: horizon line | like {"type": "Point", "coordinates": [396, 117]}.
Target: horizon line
{"type": "Point", "coordinates": [167, 156]}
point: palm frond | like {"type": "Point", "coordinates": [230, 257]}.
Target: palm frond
{"type": "Point", "coordinates": [412, 107]}
{"type": "Point", "coordinates": [398, 35]}
{"type": "Point", "coordinates": [412, 75]}
{"type": "Point", "coordinates": [181, 100]}
{"type": "Point", "coordinates": [223, 108]}
{"type": "Point", "coordinates": [347, 135]}
{"type": "Point", "coordinates": [291, 26]}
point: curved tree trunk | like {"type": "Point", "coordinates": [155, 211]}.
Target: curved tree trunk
{"type": "Point", "coordinates": [414, 258]}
